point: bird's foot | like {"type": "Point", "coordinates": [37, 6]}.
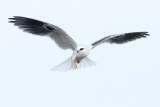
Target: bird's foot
{"type": "Point", "coordinates": [75, 65]}
{"type": "Point", "coordinates": [77, 62]}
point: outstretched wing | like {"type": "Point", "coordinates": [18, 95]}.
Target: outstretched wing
{"type": "Point", "coordinates": [37, 27]}
{"type": "Point", "coordinates": [120, 38]}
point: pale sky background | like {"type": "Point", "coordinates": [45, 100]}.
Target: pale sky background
{"type": "Point", "coordinates": [126, 75]}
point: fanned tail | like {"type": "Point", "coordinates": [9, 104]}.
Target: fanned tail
{"type": "Point", "coordinates": [69, 64]}
{"type": "Point", "coordinates": [85, 62]}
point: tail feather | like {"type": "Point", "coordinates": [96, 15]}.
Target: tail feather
{"type": "Point", "coordinates": [68, 64]}
{"type": "Point", "coordinates": [90, 62]}
{"type": "Point", "coordinates": [86, 62]}
{"type": "Point", "coordinates": [64, 66]}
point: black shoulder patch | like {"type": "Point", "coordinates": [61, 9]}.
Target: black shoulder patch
{"type": "Point", "coordinates": [49, 28]}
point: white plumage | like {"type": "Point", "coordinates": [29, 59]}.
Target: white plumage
{"type": "Point", "coordinates": [63, 40]}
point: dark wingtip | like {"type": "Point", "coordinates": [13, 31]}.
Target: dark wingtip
{"type": "Point", "coordinates": [11, 20]}
{"type": "Point", "coordinates": [14, 19]}
{"type": "Point", "coordinates": [146, 34]}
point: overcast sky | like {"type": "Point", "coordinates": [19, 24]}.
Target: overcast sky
{"type": "Point", "coordinates": [126, 75]}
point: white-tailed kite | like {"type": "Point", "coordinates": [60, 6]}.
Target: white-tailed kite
{"type": "Point", "coordinates": [63, 40]}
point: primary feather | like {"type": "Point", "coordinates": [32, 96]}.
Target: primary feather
{"type": "Point", "coordinates": [121, 38]}
{"type": "Point", "coordinates": [37, 27]}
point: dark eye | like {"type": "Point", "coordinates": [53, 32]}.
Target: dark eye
{"type": "Point", "coordinates": [81, 49]}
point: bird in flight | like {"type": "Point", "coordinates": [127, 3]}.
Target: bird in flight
{"type": "Point", "coordinates": [79, 58]}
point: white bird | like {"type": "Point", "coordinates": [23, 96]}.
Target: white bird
{"type": "Point", "coordinates": [63, 40]}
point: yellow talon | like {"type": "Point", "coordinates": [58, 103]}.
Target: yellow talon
{"type": "Point", "coordinates": [76, 62]}
{"type": "Point", "coordinates": [75, 65]}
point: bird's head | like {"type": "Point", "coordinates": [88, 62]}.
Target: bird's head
{"type": "Point", "coordinates": [80, 49]}
{"type": "Point", "coordinates": [83, 49]}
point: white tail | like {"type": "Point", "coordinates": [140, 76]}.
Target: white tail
{"type": "Point", "coordinates": [68, 64]}
{"type": "Point", "coordinates": [85, 62]}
